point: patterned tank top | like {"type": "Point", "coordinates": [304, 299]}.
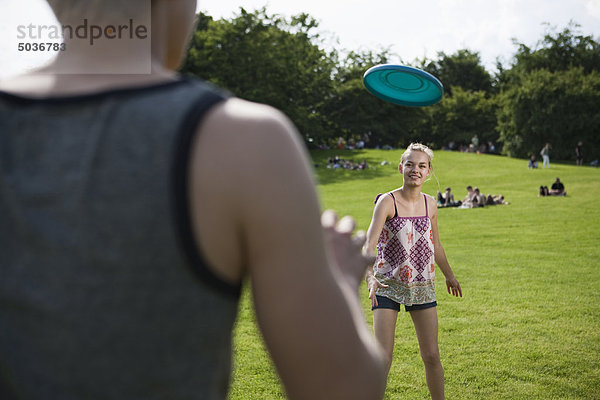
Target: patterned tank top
{"type": "Point", "coordinates": [405, 259]}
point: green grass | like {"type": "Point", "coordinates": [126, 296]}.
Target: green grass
{"type": "Point", "coordinates": [528, 326]}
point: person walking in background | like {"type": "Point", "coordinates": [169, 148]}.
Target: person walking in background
{"type": "Point", "coordinates": [122, 251]}
{"type": "Point", "coordinates": [545, 153]}
{"type": "Point", "coordinates": [579, 153]}
{"type": "Point", "coordinates": [404, 229]}
{"type": "Point", "coordinates": [474, 146]}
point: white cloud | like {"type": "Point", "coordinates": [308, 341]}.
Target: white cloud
{"type": "Point", "coordinates": [593, 7]}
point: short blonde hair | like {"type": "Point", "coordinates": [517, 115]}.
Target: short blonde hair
{"type": "Point", "coordinates": [417, 147]}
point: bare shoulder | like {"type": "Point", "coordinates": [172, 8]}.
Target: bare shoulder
{"type": "Point", "coordinates": [256, 136]}
{"type": "Point", "coordinates": [241, 118]}
{"type": "Point", "coordinates": [237, 109]}
{"type": "Point", "coordinates": [385, 205]}
{"type": "Point", "coordinates": [384, 200]}
{"type": "Point", "coordinates": [429, 197]}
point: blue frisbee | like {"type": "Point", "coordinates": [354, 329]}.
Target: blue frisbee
{"type": "Point", "coordinates": [400, 84]}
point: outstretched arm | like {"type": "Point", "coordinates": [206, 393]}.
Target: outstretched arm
{"type": "Point", "coordinates": [304, 278]}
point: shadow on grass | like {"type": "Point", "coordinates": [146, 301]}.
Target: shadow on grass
{"type": "Point", "coordinates": [326, 175]}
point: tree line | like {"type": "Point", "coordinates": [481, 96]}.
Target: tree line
{"type": "Point", "coordinates": [548, 94]}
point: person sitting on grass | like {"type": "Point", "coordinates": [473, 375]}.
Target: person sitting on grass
{"type": "Point", "coordinates": [440, 199]}
{"type": "Point", "coordinates": [479, 199]}
{"type": "Point", "coordinates": [493, 200]}
{"type": "Point", "coordinates": [533, 162]}
{"type": "Point", "coordinates": [447, 199]}
{"type": "Point", "coordinates": [557, 188]}
{"type": "Point", "coordinates": [468, 201]}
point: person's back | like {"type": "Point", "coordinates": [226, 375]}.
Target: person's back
{"type": "Point", "coordinates": [95, 272]}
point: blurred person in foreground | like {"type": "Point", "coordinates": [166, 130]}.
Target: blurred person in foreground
{"type": "Point", "coordinates": [124, 251]}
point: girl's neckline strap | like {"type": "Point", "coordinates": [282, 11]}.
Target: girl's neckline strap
{"type": "Point", "coordinates": [396, 209]}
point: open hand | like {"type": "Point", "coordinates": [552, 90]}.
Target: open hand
{"type": "Point", "coordinates": [373, 285]}
{"type": "Point", "coordinates": [345, 249]}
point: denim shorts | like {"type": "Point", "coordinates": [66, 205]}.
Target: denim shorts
{"type": "Point", "coordinates": [384, 302]}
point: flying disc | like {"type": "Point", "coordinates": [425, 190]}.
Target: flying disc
{"type": "Point", "coordinates": [400, 84]}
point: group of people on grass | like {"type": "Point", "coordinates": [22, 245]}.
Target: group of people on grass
{"type": "Point", "coordinates": [446, 199]}
{"type": "Point", "coordinates": [340, 163]}
{"type": "Point", "coordinates": [476, 146]}
{"type": "Point", "coordinates": [545, 153]}
{"type": "Point", "coordinates": [473, 199]}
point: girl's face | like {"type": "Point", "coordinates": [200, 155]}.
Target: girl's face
{"type": "Point", "coordinates": [415, 168]}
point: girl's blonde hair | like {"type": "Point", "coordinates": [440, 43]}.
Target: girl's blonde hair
{"type": "Point", "coordinates": [417, 147]}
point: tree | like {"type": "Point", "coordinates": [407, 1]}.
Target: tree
{"type": "Point", "coordinates": [461, 116]}
{"type": "Point", "coordinates": [552, 94]}
{"type": "Point", "coordinates": [462, 69]}
{"type": "Point", "coordinates": [560, 51]}
{"type": "Point", "coordinates": [549, 94]}
{"type": "Point", "coordinates": [560, 108]}
{"type": "Point", "coordinates": [467, 108]}
{"type": "Point", "coordinates": [267, 59]}
{"type": "Point", "coordinates": [353, 111]}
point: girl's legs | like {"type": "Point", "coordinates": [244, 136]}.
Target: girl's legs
{"type": "Point", "coordinates": [384, 325]}
{"type": "Point", "coordinates": [426, 326]}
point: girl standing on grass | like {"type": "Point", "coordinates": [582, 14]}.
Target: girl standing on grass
{"type": "Point", "coordinates": [404, 228]}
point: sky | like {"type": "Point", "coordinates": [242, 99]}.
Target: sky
{"type": "Point", "coordinates": [411, 29]}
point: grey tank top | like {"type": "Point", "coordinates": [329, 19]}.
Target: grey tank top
{"type": "Point", "coordinates": [103, 294]}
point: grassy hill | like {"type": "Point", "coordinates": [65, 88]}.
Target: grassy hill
{"type": "Point", "coordinates": [528, 326]}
